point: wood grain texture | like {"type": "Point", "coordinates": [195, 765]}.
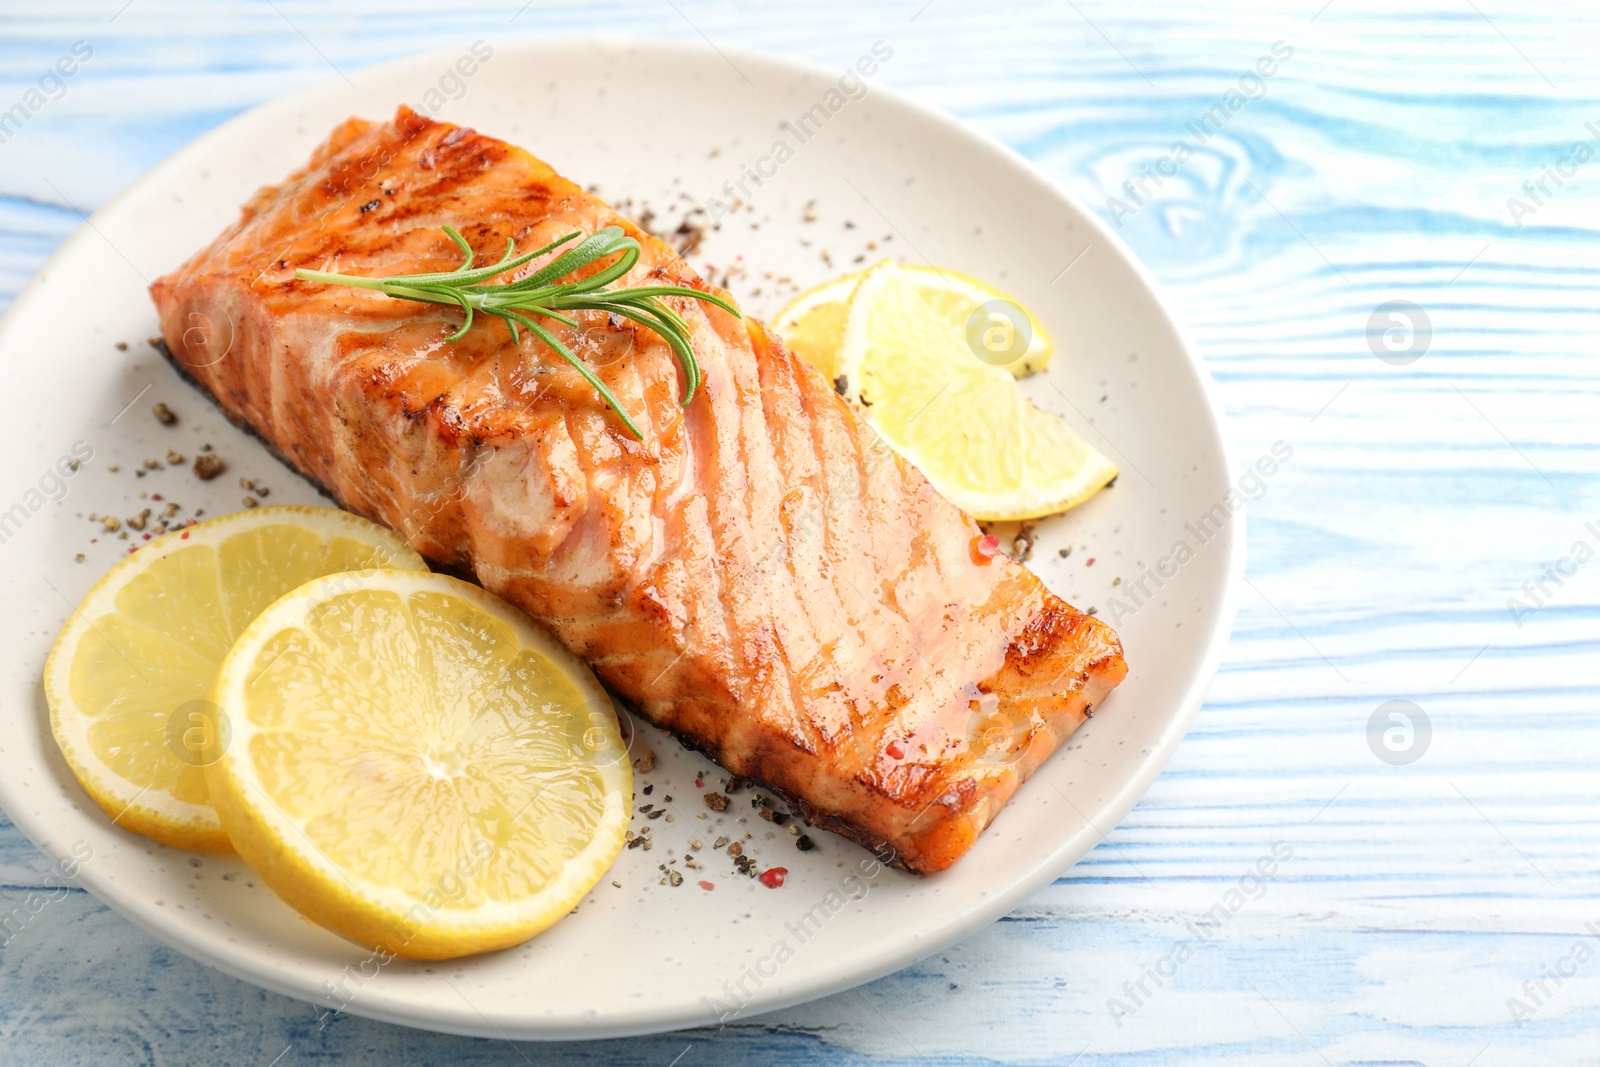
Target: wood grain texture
{"type": "Point", "coordinates": [1407, 905]}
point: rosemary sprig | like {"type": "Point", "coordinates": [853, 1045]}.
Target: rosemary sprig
{"type": "Point", "coordinates": [543, 294]}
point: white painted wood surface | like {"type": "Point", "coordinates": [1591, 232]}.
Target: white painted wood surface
{"type": "Point", "coordinates": [1420, 907]}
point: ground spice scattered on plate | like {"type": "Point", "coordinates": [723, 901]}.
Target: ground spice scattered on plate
{"type": "Point", "coordinates": [207, 467]}
{"type": "Point", "coordinates": [164, 415]}
{"type": "Point", "coordinates": [773, 877]}
{"type": "Point", "coordinates": [716, 802]}
{"type": "Point", "coordinates": [1022, 543]}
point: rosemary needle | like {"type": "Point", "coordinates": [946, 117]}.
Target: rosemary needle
{"type": "Point", "coordinates": [543, 294]}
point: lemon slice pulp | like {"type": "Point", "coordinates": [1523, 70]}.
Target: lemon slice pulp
{"type": "Point", "coordinates": [962, 420]}
{"type": "Point", "coordinates": [415, 765]}
{"type": "Point", "coordinates": [129, 679]}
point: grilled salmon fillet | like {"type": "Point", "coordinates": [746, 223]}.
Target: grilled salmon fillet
{"type": "Point", "coordinates": [759, 574]}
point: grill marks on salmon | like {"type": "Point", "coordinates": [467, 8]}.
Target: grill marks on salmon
{"type": "Point", "coordinates": [760, 574]}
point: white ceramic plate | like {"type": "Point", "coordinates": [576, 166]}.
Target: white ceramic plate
{"type": "Point", "coordinates": [668, 125]}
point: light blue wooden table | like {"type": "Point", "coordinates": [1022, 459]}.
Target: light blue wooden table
{"type": "Point", "coordinates": [1429, 543]}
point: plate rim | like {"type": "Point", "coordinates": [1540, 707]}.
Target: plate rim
{"type": "Point", "coordinates": [637, 1020]}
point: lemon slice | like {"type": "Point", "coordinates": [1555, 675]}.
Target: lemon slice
{"type": "Point", "coordinates": [412, 763]}
{"type": "Point", "coordinates": [129, 679]}
{"type": "Point", "coordinates": [812, 324]}
{"type": "Point", "coordinates": [963, 421]}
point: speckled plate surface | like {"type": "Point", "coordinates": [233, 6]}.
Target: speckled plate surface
{"type": "Point", "coordinates": [881, 176]}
